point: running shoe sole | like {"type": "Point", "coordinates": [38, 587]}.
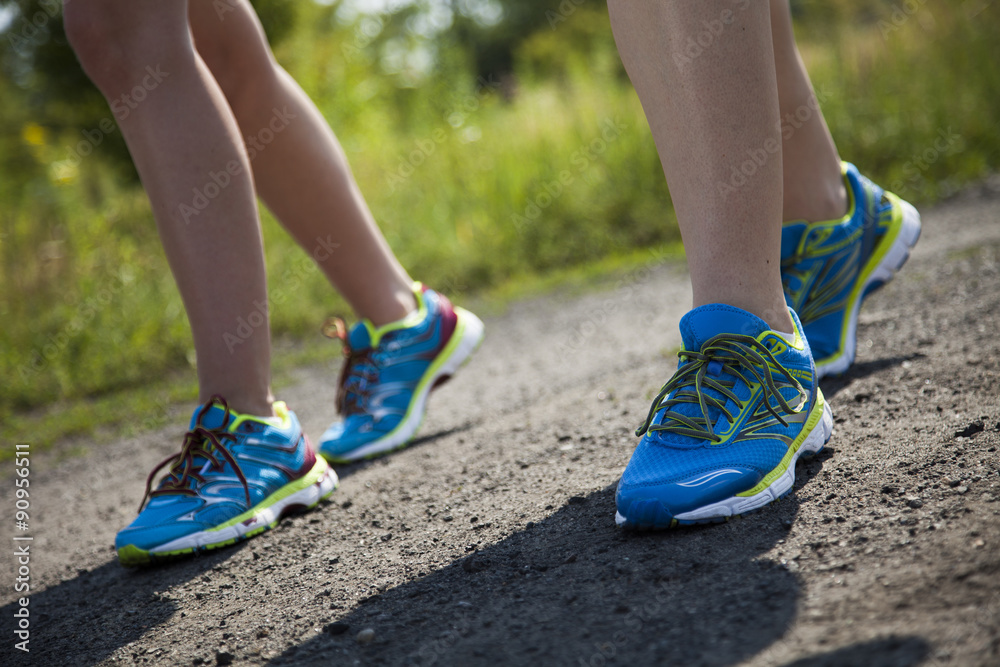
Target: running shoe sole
{"type": "Point", "coordinates": [879, 270]}
{"type": "Point", "coordinates": [299, 495]}
{"type": "Point", "coordinates": [651, 514]}
{"type": "Point", "coordinates": [465, 340]}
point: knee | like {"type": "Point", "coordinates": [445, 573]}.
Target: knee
{"type": "Point", "coordinates": [244, 70]}
{"type": "Point", "coordinates": [117, 53]}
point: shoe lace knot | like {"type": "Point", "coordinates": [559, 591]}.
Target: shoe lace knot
{"type": "Point", "coordinates": [359, 372]}
{"type": "Point", "coordinates": [202, 450]}
{"type": "Point", "coordinates": [699, 381]}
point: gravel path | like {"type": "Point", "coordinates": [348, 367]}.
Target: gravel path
{"type": "Point", "coordinates": [492, 540]}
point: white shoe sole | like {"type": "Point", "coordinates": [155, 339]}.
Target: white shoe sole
{"type": "Point", "coordinates": [905, 239]}
{"type": "Point", "coordinates": [735, 505]}
{"type": "Point", "coordinates": [261, 519]}
{"type": "Point", "coordinates": [467, 337]}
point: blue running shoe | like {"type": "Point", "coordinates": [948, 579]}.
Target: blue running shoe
{"type": "Point", "coordinates": [724, 434]}
{"type": "Point", "coordinates": [389, 372]}
{"type": "Point", "coordinates": [234, 478]}
{"type": "Point", "coordinates": [828, 268]}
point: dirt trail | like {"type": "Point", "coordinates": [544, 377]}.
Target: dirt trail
{"type": "Point", "coordinates": [492, 541]}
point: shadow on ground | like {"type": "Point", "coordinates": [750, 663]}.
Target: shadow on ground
{"type": "Point", "coordinates": [569, 590]}
{"type": "Point", "coordinates": [346, 470]}
{"type": "Point", "coordinates": [573, 590]}
{"type": "Point", "coordinates": [83, 620]}
{"type": "Point", "coordinates": [887, 652]}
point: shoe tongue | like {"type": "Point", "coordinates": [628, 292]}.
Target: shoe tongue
{"type": "Point", "coordinates": [214, 417]}
{"type": "Point", "coordinates": [704, 322]}
{"type": "Point", "coordinates": [360, 336]}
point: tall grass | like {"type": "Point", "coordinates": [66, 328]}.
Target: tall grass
{"type": "Point", "coordinates": [474, 183]}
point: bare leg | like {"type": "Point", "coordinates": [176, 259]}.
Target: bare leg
{"type": "Point", "coordinates": [180, 133]}
{"type": "Point", "coordinates": [706, 112]}
{"type": "Point", "coordinates": [301, 173]}
{"type": "Point", "coordinates": [814, 188]}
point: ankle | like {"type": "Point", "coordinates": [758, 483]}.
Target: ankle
{"type": "Point", "coordinates": [247, 405]}
{"type": "Point", "coordinates": [394, 307]}
{"type": "Point", "coordinates": [815, 201]}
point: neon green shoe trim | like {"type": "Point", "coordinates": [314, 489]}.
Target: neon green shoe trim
{"type": "Point", "coordinates": [884, 246]}
{"type": "Point", "coordinates": [411, 320]}
{"type": "Point", "coordinates": [442, 359]}
{"type": "Point", "coordinates": [814, 418]}
{"type": "Point", "coordinates": [131, 555]}
{"type": "Point", "coordinates": [279, 420]}
{"type": "Point", "coordinates": [304, 482]}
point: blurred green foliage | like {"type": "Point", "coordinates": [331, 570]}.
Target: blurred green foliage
{"type": "Point", "coordinates": [491, 146]}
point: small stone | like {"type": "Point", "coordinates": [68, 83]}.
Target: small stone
{"type": "Point", "coordinates": [224, 658]}
{"type": "Point", "coordinates": [336, 628]}
{"type": "Point", "coordinates": [915, 503]}
{"type": "Point", "coordinates": [366, 636]}
{"type": "Point", "coordinates": [962, 490]}
{"type": "Point", "coordinates": [973, 428]}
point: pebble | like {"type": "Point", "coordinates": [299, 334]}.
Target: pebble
{"type": "Point", "coordinates": [366, 636]}
{"type": "Point", "coordinates": [336, 628]}
{"type": "Point", "coordinates": [915, 503]}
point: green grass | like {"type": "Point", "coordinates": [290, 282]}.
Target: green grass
{"type": "Point", "coordinates": [487, 192]}
{"type": "Point", "coordinates": [98, 419]}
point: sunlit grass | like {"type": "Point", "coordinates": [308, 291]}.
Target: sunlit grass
{"type": "Point", "coordinates": [481, 188]}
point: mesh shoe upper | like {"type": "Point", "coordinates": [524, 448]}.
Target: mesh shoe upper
{"type": "Point", "coordinates": [732, 368]}
{"type": "Point", "coordinates": [383, 369]}
{"type": "Point", "coordinates": [821, 262]}
{"type": "Point", "coordinates": [206, 486]}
